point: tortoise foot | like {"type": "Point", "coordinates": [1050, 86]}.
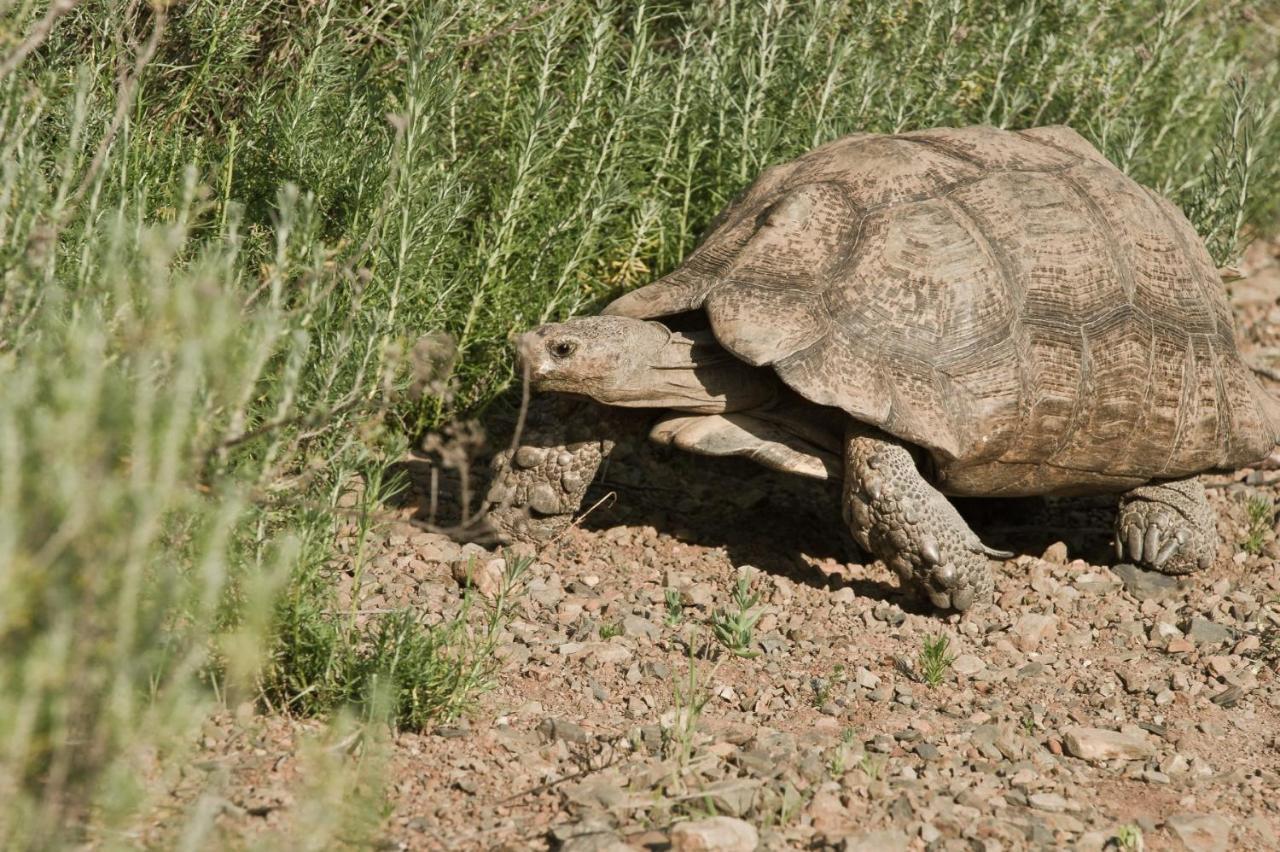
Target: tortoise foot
{"type": "Point", "coordinates": [1167, 527]}
{"type": "Point", "coordinates": [538, 487]}
{"type": "Point", "coordinates": [898, 516]}
{"type": "Point", "coordinates": [534, 504]}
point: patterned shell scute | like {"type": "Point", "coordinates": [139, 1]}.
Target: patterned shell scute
{"type": "Point", "coordinates": [1007, 300]}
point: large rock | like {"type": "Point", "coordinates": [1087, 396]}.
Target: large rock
{"type": "Point", "coordinates": [485, 574]}
{"type": "Point", "coordinates": [640, 628]}
{"type": "Point", "coordinates": [602, 793]}
{"type": "Point", "coordinates": [1051, 802]}
{"type": "Point", "coordinates": [609, 652]}
{"type": "Point", "coordinates": [1098, 744]}
{"type": "Point", "coordinates": [562, 729]}
{"type": "Point", "coordinates": [732, 797]}
{"type": "Point", "coordinates": [878, 841]}
{"type": "Point", "coordinates": [1032, 628]}
{"type": "Point", "coordinates": [1056, 553]}
{"type": "Point", "coordinates": [829, 816]}
{"type": "Point", "coordinates": [1145, 585]}
{"type": "Point", "coordinates": [715, 834]}
{"type": "Point", "coordinates": [1201, 832]}
{"type": "Point", "coordinates": [967, 665]}
{"type": "Point", "coordinates": [1202, 631]}
{"type": "Point", "coordinates": [437, 548]}
{"type": "Point", "coordinates": [1096, 582]}
{"type": "Point", "coordinates": [603, 842]}
{"type": "Point", "coordinates": [593, 834]}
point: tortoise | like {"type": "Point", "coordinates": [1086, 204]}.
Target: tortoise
{"type": "Point", "coordinates": [956, 311]}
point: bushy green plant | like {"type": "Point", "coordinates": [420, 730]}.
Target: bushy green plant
{"type": "Point", "coordinates": [223, 226]}
{"type": "Point", "coordinates": [485, 166]}
{"type": "Point", "coordinates": [425, 675]}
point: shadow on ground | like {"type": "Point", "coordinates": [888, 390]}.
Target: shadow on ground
{"type": "Point", "coordinates": [780, 524]}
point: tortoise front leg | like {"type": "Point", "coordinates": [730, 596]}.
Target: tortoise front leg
{"type": "Point", "coordinates": [899, 517]}
{"type": "Point", "coordinates": [539, 486]}
{"type": "Point", "coordinates": [1167, 526]}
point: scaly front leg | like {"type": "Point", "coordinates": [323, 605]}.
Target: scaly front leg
{"type": "Point", "coordinates": [899, 517]}
{"type": "Point", "coordinates": [538, 487]}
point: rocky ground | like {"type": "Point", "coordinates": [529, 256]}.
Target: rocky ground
{"type": "Point", "coordinates": [1090, 706]}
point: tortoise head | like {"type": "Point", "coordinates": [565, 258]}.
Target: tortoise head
{"type": "Point", "coordinates": [641, 364]}
{"type": "Point", "coordinates": [600, 357]}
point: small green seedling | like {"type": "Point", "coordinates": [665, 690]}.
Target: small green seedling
{"type": "Point", "coordinates": [934, 659]}
{"type": "Point", "coordinates": [675, 607]}
{"type": "Point", "coordinates": [837, 762]}
{"type": "Point", "coordinates": [688, 701]}
{"type": "Point", "coordinates": [734, 628]}
{"type": "Point", "coordinates": [1129, 838]}
{"type": "Point", "coordinates": [1261, 513]}
{"type": "Point", "coordinates": [609, 630]}
{"type": "Point", "coordinates": [823, 686]}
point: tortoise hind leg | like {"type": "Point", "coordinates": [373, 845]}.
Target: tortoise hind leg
{"type": "Point", "coordinates": [899, 517]}
{"type": "Point", "coordinates": [1167, 526]}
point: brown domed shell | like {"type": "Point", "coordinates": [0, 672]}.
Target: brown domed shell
{"type": "Point", "coordinates": [1004, 299]}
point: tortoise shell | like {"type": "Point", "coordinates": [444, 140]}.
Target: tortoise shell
{"type": "Point", "coordinates": [1009, 301]}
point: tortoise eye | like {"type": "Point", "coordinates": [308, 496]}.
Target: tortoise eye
{"type": "Point", "coordinates": [561, 348]}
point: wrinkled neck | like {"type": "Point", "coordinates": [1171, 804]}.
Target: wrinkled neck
{"type": "Point", "coordinates": [693, 372]}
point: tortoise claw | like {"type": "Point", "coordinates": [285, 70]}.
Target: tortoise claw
{"type": "Point", "coordinates": [945, 576]}
{"type": "Point", "coordinates": [873, 487]}
{"type": "Point", "coordinates": [1135, 543]}
{"type": "Point", "coordinates": [929, 551]}
{"type": "Point", "coordinates": [1166, 526]}
{"type": "Point", "coordinates": [1151, 545]}
{"type": "Point", "coordinates": [1170, 548]}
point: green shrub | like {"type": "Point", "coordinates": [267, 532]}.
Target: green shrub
{"type": "Point", "coordinates": [484, 166]}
